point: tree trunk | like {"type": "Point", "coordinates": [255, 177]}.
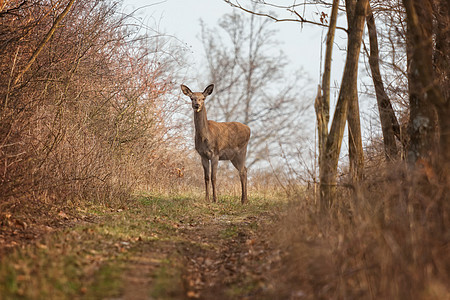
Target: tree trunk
{"type": "Point", "coordinates": [442, 70]}
{"type": "Point", "coordinates": [426, 97]}
{"type": "Point", "coordinates": [322, 103]}
{"type": "Point", "coordinates": [347, 94]}
{"type": "Point", "coordinates": [442, 50]}
{"type": "Point", "coordinates": [327, 66]}
{"type": "Point", "coordinates": [389, 122]}
{"type": "Point", "coordinates": [355, 149]}
{"type": "Point", "coordinates": [423, 115]}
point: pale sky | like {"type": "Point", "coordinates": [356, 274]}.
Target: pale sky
{"type": "Point", "coordinates": [181, 18]}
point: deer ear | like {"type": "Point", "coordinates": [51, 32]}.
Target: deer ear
{"type": "Point", "coordinates": [208, 90]}
{"type": "Point", "coordinates": [186, 90]}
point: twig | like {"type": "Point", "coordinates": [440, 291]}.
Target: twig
{"type": "Point", "coordinates": [44, 41]}
{"type": "Point", "coordinates": [300, 18]}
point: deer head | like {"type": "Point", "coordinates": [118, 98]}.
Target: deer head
{"type": "Point", "coordinates": [198, 99]}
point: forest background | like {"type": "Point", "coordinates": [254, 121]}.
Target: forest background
{"type": "Point", "coordinates": [92, 115]}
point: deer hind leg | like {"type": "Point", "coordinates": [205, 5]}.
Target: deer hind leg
{"type": "Point", "coordinates": [239, 163]}
{"type": "Point", "coordinates": [214, 163]}
{"type": "Point", "coordinates": [205, 163]}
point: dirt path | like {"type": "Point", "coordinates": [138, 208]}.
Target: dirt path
{"type": "Point", "coordinates": [152, 248]}
{"type": "Point", "coordinates": [222, 261]}
{"type": "Point", "coordinates": [223, 257]}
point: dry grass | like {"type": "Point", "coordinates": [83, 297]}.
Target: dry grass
{"type": "Point", "coordinates": [389, 240]}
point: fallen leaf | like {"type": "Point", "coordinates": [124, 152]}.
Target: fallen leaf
{"type": "Point", "coordinates": [208, 261]}
{"type": "Point", "coordinates": [41, 246]}
{"type": "Point", "coordinates": [21, 223]}
{"type": "Point", "coordinates": [22, 278]}
{"type": "Point", "coordinates": [63, 215]}
{"type": "Point", "coordinates": [192, 294]}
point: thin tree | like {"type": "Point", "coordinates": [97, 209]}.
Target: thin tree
{"type": "Point", "coordinates": [389, 122]}
{"type": "Point", "coordinates": [347, 95]}
{"type": "Point", "coordinates": [355, 149]}
{"type": "Point", "coordinates": [322, 103]}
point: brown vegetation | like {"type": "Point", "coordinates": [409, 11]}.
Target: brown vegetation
{"type": "Point", "coordinates": [80, 104]}
{"type": "Point", "coordinates": [388, 240]}
{"type": "Point", "coordinates": [387, 236]}
{"type": "Point", "coordinates": [83, 122]}
{"type": "Point", "coordinates": [81, 114]}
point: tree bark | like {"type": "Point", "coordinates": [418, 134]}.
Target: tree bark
{"type": "Point", "coordinates": [347, 94]}
{"type": "Point", "coordinates": [355, 149]}
{"type": "Point", "coordinates": [322, 103]}
{"type": "Point", "coordinates": [389, 122]}
{"type": "Point", "coordinates": [442, 49]}
{"type": "Point", "coordinates": [327, 66]}
{"type": "Point", "coordinates": [442, 70]}
{"type": "Point", "coordinates": [423, 116]}
{"type": "Point", "coordinates": [426, 97]}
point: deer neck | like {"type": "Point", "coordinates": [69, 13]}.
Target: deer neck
{"type": "Point", "coordinates": [201, 124]}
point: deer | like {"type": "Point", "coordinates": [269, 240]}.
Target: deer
{"type": "Point", "coordinates": [216, 141]}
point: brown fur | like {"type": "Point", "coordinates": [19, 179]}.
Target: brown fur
{"type": "Point", "coordinates": [216, 141]}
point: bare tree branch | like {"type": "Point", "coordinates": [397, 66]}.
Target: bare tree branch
{"type": "Point", "coordinates": [44, 41]}
{"type": "Point", "coordinates": [299, 19]}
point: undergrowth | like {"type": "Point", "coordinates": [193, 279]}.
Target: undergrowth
{"type": "Point", "coordinates": [389, 239]}
{"type": "Point", "coordinates": [384, 240]}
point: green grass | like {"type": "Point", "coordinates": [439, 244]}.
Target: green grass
{"type": "Point", "coordinates": [88, 260]}
{"type": "Point", "coordinates": [241, 291]}
{"type": "Point", "coordinates": [60, 266]}
{"type": "Point", "coordinates": [107, 281]}
{"type": "Point", "coordinates": [230, 231]}
{"type": "Point", "coordinates": [167, 282]}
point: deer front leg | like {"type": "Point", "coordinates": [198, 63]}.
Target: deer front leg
{"type": "Point", "coordinates": [214, 163]}
{"type": "Point", "coordinates": [205, 163]}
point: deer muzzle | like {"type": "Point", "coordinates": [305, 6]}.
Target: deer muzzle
{"type": "Point", "coordinates": [197, 107]}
